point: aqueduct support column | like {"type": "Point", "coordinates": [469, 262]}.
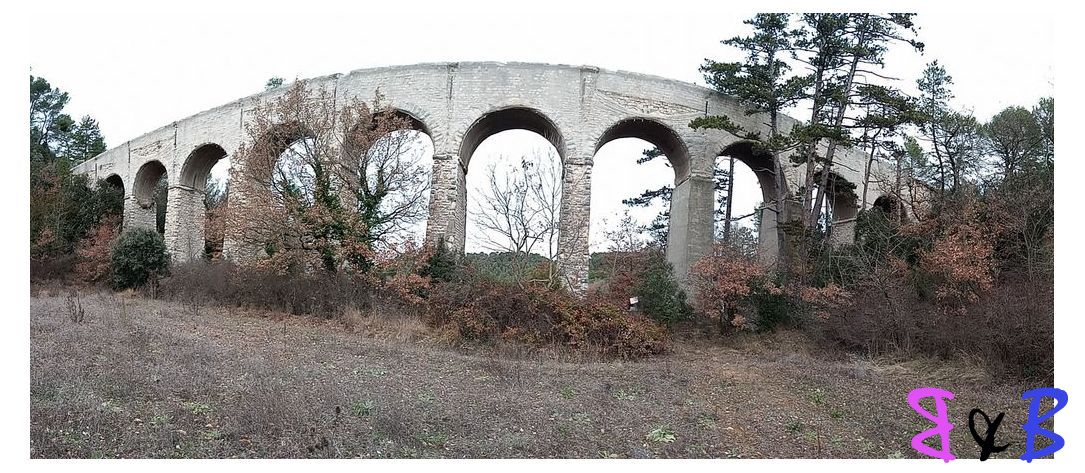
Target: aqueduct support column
{"type": "Point", "coordinates": [448, 202]}
{"type": "Point", "coordinates": [690, 232]}
{"type": "Point", "coordinates": [137, 215]}
{"type": "Point", "coordinates": [768, 244]}
{"type": "Point", "coordinates": [573, 251]}
{"type": "Point", "coordinates": [185, 224]}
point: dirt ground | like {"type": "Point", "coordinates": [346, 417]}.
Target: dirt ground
{"type": "Point", "coordinates": [146, 378]}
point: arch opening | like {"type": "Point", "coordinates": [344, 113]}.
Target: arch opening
{"type": "Point", "coordinates": [891, 207]}
{"type": "Point", "coordinates": [385, 174]}
{"type": "Point", "coordinates": [282, 162]}
{"type": "Point", "coordinates": [839, 208]}
{"type": "Point", "coordinates": [754, 197]}
{"type": "Point", "coordinates": [147, 178]}
{"type": "Point", "coordinates": [198, 166]}
{"type": "Point", "coordinates": [738, 221]}
{"type": "Point", "coordinates": [659, 135]}
{"type": "Point", "coordinates": [398, 167]}
{"type": "Point", "coordinates": [115, 181]}
{"type": "Point", "coordinates": [513, 204]}
{"type": "Point", "coordinates": [512, 118]}
{"type": "Point", "coordinates": [630, 196]}
{"type": "Point", "coordinates": [659, 154]}
{"type": "Point", "coordinates": [204, 181]}
{"type": "Point", "coordinates": [151, 191]}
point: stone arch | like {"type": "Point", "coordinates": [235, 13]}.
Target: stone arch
{"type": "Point", "coordinates": [268, 150]}
{"type": "Point", "coordinates": [842, 202]}
{"type": "Point", "coordinates": [687, 213]}
{"type": "Point", "coordinates": [520, 125]}
{"type": "Point", "coordinates": [510, 118]}
{"type": "Point", "coordinates": [198, 164]}
{"type": "Point", "coordinates": [448, 198]}
{"type": "Point", "coordinates": [413, 121]}
{"type": "Point", "coordinates": [656, 133]}
{"type": "Point", "coordinates": [140, 210]}
{"type": "Point", "coordinates": [401, 141]}
{"type": "Point", "coordinates": [274, 141]}
{"type": "Point", "coordinates": [186, 224]}
{"type": "Point", "coordinates": [892, 207]}
{"type": "Point", "coordinates": [116, 181]}
{"type": "Point", "coordinates": [146, 179]}
{"type": "Point", "coordinates": [252, 181]}
{"type": "Point", "coordinates": [760, 162]}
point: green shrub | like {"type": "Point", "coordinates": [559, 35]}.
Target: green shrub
{"type": "Point", "coordinates": [661, 298]}
{"type": "Point", "coordinates": [442, 263]}
{"type": "Point", "coordinates": [773, 309]}
{"type": "Point", "coordinates": [137, 256]}
{"type": "Point", "coordinates": [647, 276]}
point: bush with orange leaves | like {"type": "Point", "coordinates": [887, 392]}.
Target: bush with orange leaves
{"type": "Point", "coordinates": [487, 311]}
{"type": "Point", "coordinates": [724, 280]}
{"type": "Point", "coordinates": [959, 262]}
{"type": "Point", "coordinates": [400, 273]}
{"type": "Point", "coordinates": [93, 252]}
{"type": "Point", "coordinates": [820, 301]}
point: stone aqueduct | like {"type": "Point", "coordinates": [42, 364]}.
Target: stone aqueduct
{"type": "Point", "coordinates": [576, 108]}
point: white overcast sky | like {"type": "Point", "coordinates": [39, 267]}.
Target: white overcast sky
{"type": "Point", "coordinates": [143, 66]}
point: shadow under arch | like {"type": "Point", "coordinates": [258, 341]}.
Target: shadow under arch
{"type": "Point", "coordinates": [892, 207]}
{"type": "Point", "coordinates": [117, 182]}
{"type": "Point", "coordinates": [145, 211]}
{"type": "Point", "coordinates": [147, 178]}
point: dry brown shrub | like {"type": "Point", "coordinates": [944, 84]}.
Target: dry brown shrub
{"type": "Point", "coordinates": [487, 311]}
{"type": "Point", "coordinates": [93, 252]}
{"type": "Point", "coordinates": [960, 259]}
{"type": "Point", "coordinates": [723, 281]}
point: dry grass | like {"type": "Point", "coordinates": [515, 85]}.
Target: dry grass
{"type": "Point", "coordinates": [146, 378]}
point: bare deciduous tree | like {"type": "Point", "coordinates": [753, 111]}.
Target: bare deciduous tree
{"type": "Point", "coordinates": [325, 186]}
{"type": "Point", "coordinates": [519, 212]}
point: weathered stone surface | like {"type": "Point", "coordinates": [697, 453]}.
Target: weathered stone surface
{"type": "Point", "coordinates": [577, 108]}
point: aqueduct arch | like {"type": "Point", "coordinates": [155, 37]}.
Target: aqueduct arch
{"type": "Point", "coordinates": [522, 117]}
{"type": "Point", "coordinates": [576, 108]}
{"type": "Point", "coordinates": [657, 134]}
{"type": "Point", "coordinates": [116, 181]}
{"type": "Point", "coordinates": [186, 197]}
{"type": "Point", "coordinates": [762, 166]}
{"type": "Point", "coordinates": [140, 210]}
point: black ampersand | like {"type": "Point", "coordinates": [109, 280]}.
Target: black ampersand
{"type": "Point", "coordinates": [987, 445]}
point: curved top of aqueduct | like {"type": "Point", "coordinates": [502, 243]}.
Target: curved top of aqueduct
{"type": "Point", "coordinates": [459, 104]}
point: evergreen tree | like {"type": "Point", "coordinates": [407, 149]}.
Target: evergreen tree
{"type": "Point", "coordinates": [762, 83]}
{"type": "Point", "coordinates": [953, 136]}
{"type": "Point", "coordinates": [82, 142]}
{"type": "Point", "coordinates": [1015, 138]}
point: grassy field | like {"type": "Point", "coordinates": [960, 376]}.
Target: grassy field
{"type": "Point", "coordinates": [146, 378]}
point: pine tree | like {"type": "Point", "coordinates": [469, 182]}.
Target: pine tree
{"type": "Point", "coordinates": [762, 83]}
